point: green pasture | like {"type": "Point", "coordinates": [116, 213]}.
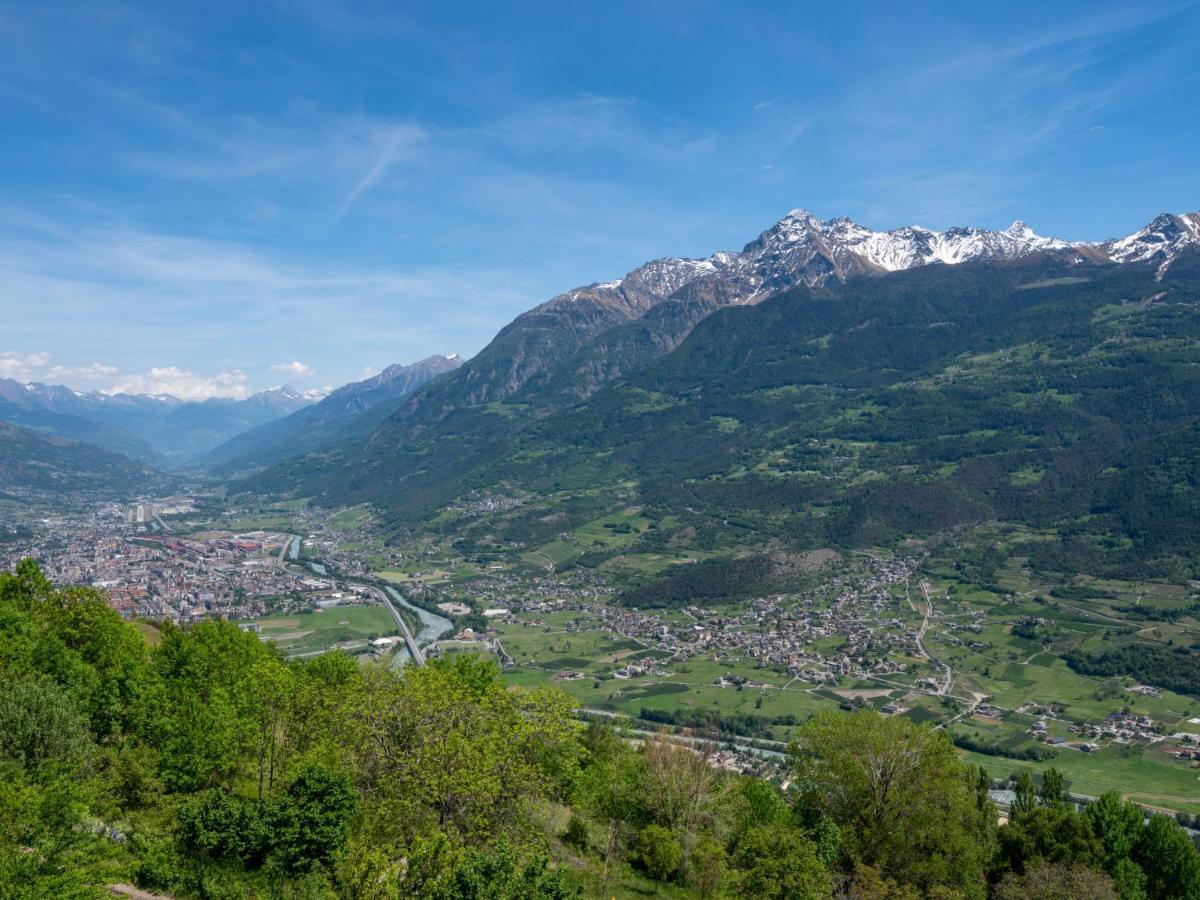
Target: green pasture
{"type": "Point", "coordinates": [304, 633]}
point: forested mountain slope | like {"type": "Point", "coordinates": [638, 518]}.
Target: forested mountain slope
{"type": "Point", "coordinates": [1036, 390]}
{"type": "Point", "coordinates": [33, 464]}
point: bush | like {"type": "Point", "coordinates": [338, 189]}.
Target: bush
{"type": "Point", "coordinates": [223, 826]}
{"type": "Point", "coordinates": [312, 821]}
{"type": "Point", "coordinates": [576, 834]}
{"type": "Point", "coordinates": [660, 852]}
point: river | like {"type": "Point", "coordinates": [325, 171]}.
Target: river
{"type": "Point", "coordinates": [432, 626]}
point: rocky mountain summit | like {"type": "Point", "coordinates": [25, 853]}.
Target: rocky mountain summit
{"type": "Point", "coordinates": [557, 339]}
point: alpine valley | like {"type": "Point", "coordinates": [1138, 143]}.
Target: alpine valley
{"type": "Point", "coordinates": [947, 482]}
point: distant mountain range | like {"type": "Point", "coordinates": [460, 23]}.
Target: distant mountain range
{"type": "Point", "coordinates": [355, 408]}
{"type": "Point", "coordinates": [228, 434]}
{"type": "Point", "coordinates": [157, 428]}
{"type": "Point", "coordinates": [687, 380]}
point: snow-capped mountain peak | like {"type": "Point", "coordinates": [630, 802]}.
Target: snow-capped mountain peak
{"type": "Point", "coordinates": [802, 249]}
{"type": "Point", "coordinates": [1160, 241]}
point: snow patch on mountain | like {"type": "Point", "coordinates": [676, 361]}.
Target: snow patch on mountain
{"type": "Point", "coordinates": [1160, 241]}
{"type": "Point", "coordinates": [802, 249]}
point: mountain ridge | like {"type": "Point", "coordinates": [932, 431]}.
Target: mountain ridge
{"type": "Point", "coordinates": [799, 249]}
{"type": "Point", "coordinates": [306, 428]}
{"type": "Point", "coordinates": [34, 464]}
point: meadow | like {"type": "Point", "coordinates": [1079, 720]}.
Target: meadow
{"type": "Point", "coordinates": [310, 633]}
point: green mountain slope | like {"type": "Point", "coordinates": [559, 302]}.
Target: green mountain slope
{"type": "Point", "coordinates": [1037, 391]}
{"type": "Point", "coordinates": [32, 463]}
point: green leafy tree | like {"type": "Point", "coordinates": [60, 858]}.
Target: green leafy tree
{"type": "Point", "coordinates": [311, 822]}
{"type": "Point", "coordinates": [780, 863]}
{"type": "Point", "coordinates": [445, 748]}
{"type": "Point", "coordinates": [1129, 879]}
{"type": "Point", "coordinates": [1118, 826]}
{"type": "Point", "coordinates": [1053, 791]}
{"type": "Point", "coordinates": [40, 725]}
{"type": "Point", "coordinates": [899, 794]}
{"type": "Point", "coordinates": [659, 852]}
{"type": "Point", "coordinates": [263, 697]}
{"type": "Point", "coordinates": [204, 729]}
{"type": "Point", "coordinates": [759, 803]}
{"type": "Point", "coordinates": [222, 826]}
{"type": "Point", "coordinates": [707, 866]}
{"type": "Point", "coordinates": [325, 692]}
{"type": "Point", "coordinates": [1169, 859]}
{"type": "Point", "coordinates": [1025, 794]}
{"type": "Point", "coordinates": [1047, 833]}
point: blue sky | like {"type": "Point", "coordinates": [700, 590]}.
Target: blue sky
{"type": "Point", "coordinates": [212, 198]}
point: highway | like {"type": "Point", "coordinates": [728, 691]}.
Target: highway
{"type": "Point", "coordinates": [414, 651]}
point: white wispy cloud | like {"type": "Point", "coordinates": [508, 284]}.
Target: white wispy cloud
{"type": "Point", "coordinates": [183, 384]}
{"type": "Point", "coordinates": [295, 369]}
{"type": "Point", "coordinates": [92, 372]}
{"type": "Point", "coordinates": [22, 366]}
{"type": "Point", "coordinates": [400, 140]}
{"type": "Point", "coordinates": [617, 126]}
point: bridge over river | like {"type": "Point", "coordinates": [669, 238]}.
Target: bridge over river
{"type": "Point", "coordinates": [432, 626]}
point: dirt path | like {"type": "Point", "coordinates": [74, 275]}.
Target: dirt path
{"type": "Point", "coordinates": [128, 890]}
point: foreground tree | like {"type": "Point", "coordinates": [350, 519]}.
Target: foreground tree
{"type": "Point", "coordinates": [1168, 857]}
{"type": "Point", "coordinates": [687, 790]}
{"type": "Point", "coordinates": [1118, 826]}
{"type": "Point", "coordinates": [448, 748]}
{"type": "Point", "coordinates": [659, 851]}
{"type": "Point", "coordinates": [780, 863]}
{"type": "Point", "coordinates": [899, 793]}
{"type": "Point", "coordinates": [1054, 788]}
{"type": "Point", "coordinates": [1056, 881]}
{"type": "Point", "coordinates": [1047, 833]}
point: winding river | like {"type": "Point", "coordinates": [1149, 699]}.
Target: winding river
{"type": "Point", "coordinates": [432, 626]}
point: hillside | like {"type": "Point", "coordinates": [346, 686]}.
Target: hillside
{"type": "Point", "coordinates": [33, 464]}
{"type": "Point", "coordinates": [206, 765]}
{"type": "Point", "coordinates": [1039, 390]}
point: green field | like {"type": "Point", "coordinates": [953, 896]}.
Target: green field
{"type": "Point", "coordinates": [309, 633]}
{"type": "Point", "coordinates": [605, 533]}
{"type": "Point", "coordinates": [1149, 776]}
